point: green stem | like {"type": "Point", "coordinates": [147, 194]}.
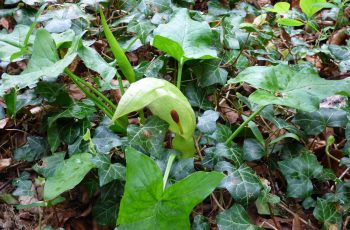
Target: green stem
{"type": "Point", "coordinates": [241, 127]}
{"type": "Point", "coordinates": [120, 83]}
{"type": "Point", "coordinates": [106, 100]}
{"type": "Point", "coordinates": [167, 169]}
{"type": "Point", "coordinates": [179, 73]}
{"type": "Point", "coordinates": [105, 109]}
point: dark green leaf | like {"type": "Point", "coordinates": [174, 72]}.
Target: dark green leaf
{"type": "Point", "coordinates": [53, 137]}
{"type": "Point", "coordinates": [241, 182]}
{"type": "Point", "coordinates": [222, 133]}
{"type": "Point", "coordinates": [104, 139]}
{"type": "Point", "coordinates": [207, 122]}
{"type": "Point", "coordinates": [48, 165]}
{"type": "Point", "coordinates": [149, 138]}
{"type": "Point", "coordinates": [107, 171]}
{"type": "Point", "coordinates": [298, 172]}
{"type": "Point", "coordinates": [55, 93]}
{"type": "Point", "coordinates": [199, 223]}
{"type": "Point", "coordinates": [327, 213]}
{"type": "Point", "coordinates": [316, 122]}
{"type": "Point", "coordinates": [222, 152]}
{"type": "Point", "coordinates": [10, 100]}
{"type": "Point", "coordinates": [141, 27]}
{"type": "Point", "coordinates": [252, 150]}
{"type": "Point", "coordinates": [35, 148]}
{"type": "Point", "coordinates": [210, 73]}
{"type": "Point", "coordinates": [23, 185]}
{"type": "Point", "coordinates": [235, 218]}
{"type": "Point", "coordinates": [197, 97]}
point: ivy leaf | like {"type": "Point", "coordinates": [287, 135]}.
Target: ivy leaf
{"type": "Point", "coordinates": [48, 165]}
{"type": "Point", "coordinates": [44, 64]}
{"type": "Point", "coordinates": [23, 185]}
{"type": "Point", "coordinates": [209, 73]}
{"type": "Point", "coordinates": [54, 93]}
{"type": "Point", "coordinates": [104, 139]}
{"type": "Point", "coordinates": [283, 85]}
{"type": "Point", "coordinates": [162, 98]}
{"type": "Point", "coordinates": [279, 7]}
{"type": "Point", "coordinates": [235, 218]}
{"type": "Point", "coordinates": [316, 122]}
{"type": "Point", "coordinates": [199, 223]}
{"type": "Point", "coordinates": [141, 27]}
{"type": "Point", "coordinates": [241, 182]}
{"type": "Point", "coordinates": [222, 152]}
{"type": "Point", "coordinates": [144, 198]}
{"type": "Point", "coordinates": [207, 122]}
{"type": "Point", "coordinates": [197, 97]}
{"type": "Point", "coordinates": [34, 149]}
{"type": "Point", "coordinates": [222, 133]}
{"type": "Point", "coordinates": [252, 150]}
{"type": "Point", "coordinates": [79, 110]}
{"type": "Point", "coordinates": [298, 172]}
{"type": "Point", "coordinates": [107, 171]}
{"type": "Point", "coordinates": [105, 210]}
{"type": "Point", "coordinates": [327, 213]}
{"type": "Point", "coordinates": [148, 138]}
{"type": "Point", "coordinates": [67, 175]}
{"type": "Point", "coordinates": [184, 39]}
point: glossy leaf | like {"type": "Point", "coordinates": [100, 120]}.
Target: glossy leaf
{"type": "Point", "coordinates": [252, 150]}
{"type": "Point", "coordinates": [148, 138]}
{"type": "Point", "coordinates": [67, 175]}
{"type": "Point", "coordinates": [48, 165]}
{"type": "Point", "coordinates": [145, 204]}
{"type": "Point", "coordinates": [184, 39]}
{"type": "Point", "coordinates": [327, 213]}
{"type": "Point", "coordinates": [221, 152]}
{"type": "Point", "coordinates": [162, 97]}
{"type": "Point", "coordinates": [298, 172]}
{"type": "Point", "coordinates": [209, 73]}
{"type": "Point", "coordinates": [35, 148]}
{"type": "Point", "coordinates": [316, 122]}
{"type": "Point", "coordinates": [107, 171]}
{"type": "Point", "coordinates": [279, 7]}
{"type": "Point", "coordinates": [235, 218]}
{"type": "Point", "coordinates": [141, 27]}
{"type": "Point", "coordinates": [104, 139]}
{"type": "Point", "coordinates": [241, 182]}
{"type": "Point", "coordinates": [207, 122]}
{"type": "Point", "coordinates": [283, 85]}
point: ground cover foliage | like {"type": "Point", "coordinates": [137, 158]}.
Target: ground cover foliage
{"type": "Point", "coordinates": [183, 114]}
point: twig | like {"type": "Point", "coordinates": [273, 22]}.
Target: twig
{"type": "Point", "coordinates": [301, 219]}
{"type": "Point", "coordinates": [217, 202]}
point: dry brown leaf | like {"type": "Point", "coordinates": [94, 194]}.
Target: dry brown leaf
{"type": "Point", "coordinates": [3, 122]}
{"type": "Point", "coordinates": [228, 112]}
{"type": "Point", "coordinates": [296, 223]}
{"type": "Point", "coordinates": [4, 163]}
{"type": "Point", "coordinates": [338, 37]}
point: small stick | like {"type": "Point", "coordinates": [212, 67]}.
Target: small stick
{"type": "Point", "coordinates": [293, 213]}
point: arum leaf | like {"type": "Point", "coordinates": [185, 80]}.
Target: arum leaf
{"type": "Point", "coordinates": [44, 63]}
{"type": "Point", "coordinates": [184, 39]}
{"type": "Point", "coordinates": [283, 85]}
{"type": "Point", "coordinates": [235, 218]}
{"type": "Point", "coordinates": [162, 97]}
{"type": "Point", "coordinates": [289, 22]}
{"type": "Point", "coordinates": [309, 7]}
{"type": "Point", "coordinates": [68, 174]}
{"type": "Point", "coordinates": [279, 7]}
{"type": "Point", "coordinates": [145, 204]}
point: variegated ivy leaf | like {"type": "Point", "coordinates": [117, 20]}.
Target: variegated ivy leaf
{"type": "Point", "coordinates": [241, 182]}
{"type": "Point", "coordinates": [162, 98]}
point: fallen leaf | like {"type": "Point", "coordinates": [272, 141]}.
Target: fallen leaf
{"type": "Point", "coordinates": [4, 163]}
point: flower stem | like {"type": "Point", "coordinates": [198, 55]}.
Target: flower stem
{"type": "Point", "coordinates": [167, 169]}
{"type": "Point", "coordinates": [241, 127]}
{"type": "Point", "coordinates": [179, 73]}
